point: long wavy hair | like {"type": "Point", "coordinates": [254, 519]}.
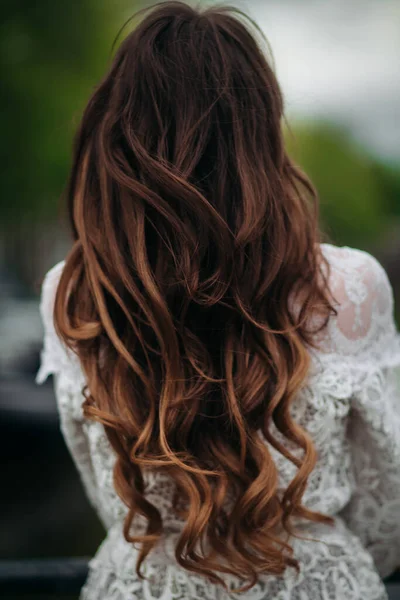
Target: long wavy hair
{"type": "Point", "coordinates": [192, 286]}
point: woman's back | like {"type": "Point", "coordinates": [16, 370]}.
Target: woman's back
{"type": "Point", "coordinates": [349, 404]}
{"type": "Point", "coordinates": [217, 352]}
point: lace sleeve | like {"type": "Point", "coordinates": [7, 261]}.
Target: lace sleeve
{"type": "Point", "coordinates": [366, 339]}
{"type": "Point", "coordinates": [68, 378]}
{"type": "Point", "coordinates": [373, 512]}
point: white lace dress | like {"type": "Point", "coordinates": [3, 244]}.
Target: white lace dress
{"type": "Point", "coordinates": [351, 407]}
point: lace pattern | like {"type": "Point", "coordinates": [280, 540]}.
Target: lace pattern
{"type": "Point", "coordinates": [349, 404]}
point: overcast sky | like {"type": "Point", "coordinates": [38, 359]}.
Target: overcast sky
{"type": "Point", "coordinates": [340, 59]}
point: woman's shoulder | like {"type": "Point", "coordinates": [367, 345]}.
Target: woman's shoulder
{"type": "Point", "coordinates": [353, 261]}
{"type": "Point", "coordinates": [48, 293]}
{"type": "Point", "coordinates": [358, 278]}
{"type": "Point", "coordinates": [56, 358]}
{"type": "Point", "coordinates": [363, 298]}
{"type": "Point", "coordinates": [50, 281]}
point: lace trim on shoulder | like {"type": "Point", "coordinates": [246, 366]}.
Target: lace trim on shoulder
{"type": "Point", "coordinates": [363, 338]}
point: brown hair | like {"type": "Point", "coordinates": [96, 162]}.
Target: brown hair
{"type": "Point", "coordinates": [195, 236]}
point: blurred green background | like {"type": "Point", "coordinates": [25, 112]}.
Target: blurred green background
{"type": "Point", "coordinates": [52, 54]}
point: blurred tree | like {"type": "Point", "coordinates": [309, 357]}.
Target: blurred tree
{"type": "Point", "coordinates": [51, 56]}
{"type": "Point", "coordinates": [357, 192]}
{"type": "Point", "coordinates": [388, 177]}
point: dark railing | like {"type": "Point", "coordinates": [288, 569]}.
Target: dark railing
{"type": "Point", "coordinates": [42, 576]}
{"type": "Point", "coordinates": [67, 576]}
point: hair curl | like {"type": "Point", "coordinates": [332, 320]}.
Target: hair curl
{"type": "Point", "coordinates": [195, 236]}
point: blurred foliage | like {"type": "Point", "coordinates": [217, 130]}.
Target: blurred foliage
{"type": "Point", "coordinates": [358, 194]}
{"type": "Point", "coordinates": [51, 56]}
